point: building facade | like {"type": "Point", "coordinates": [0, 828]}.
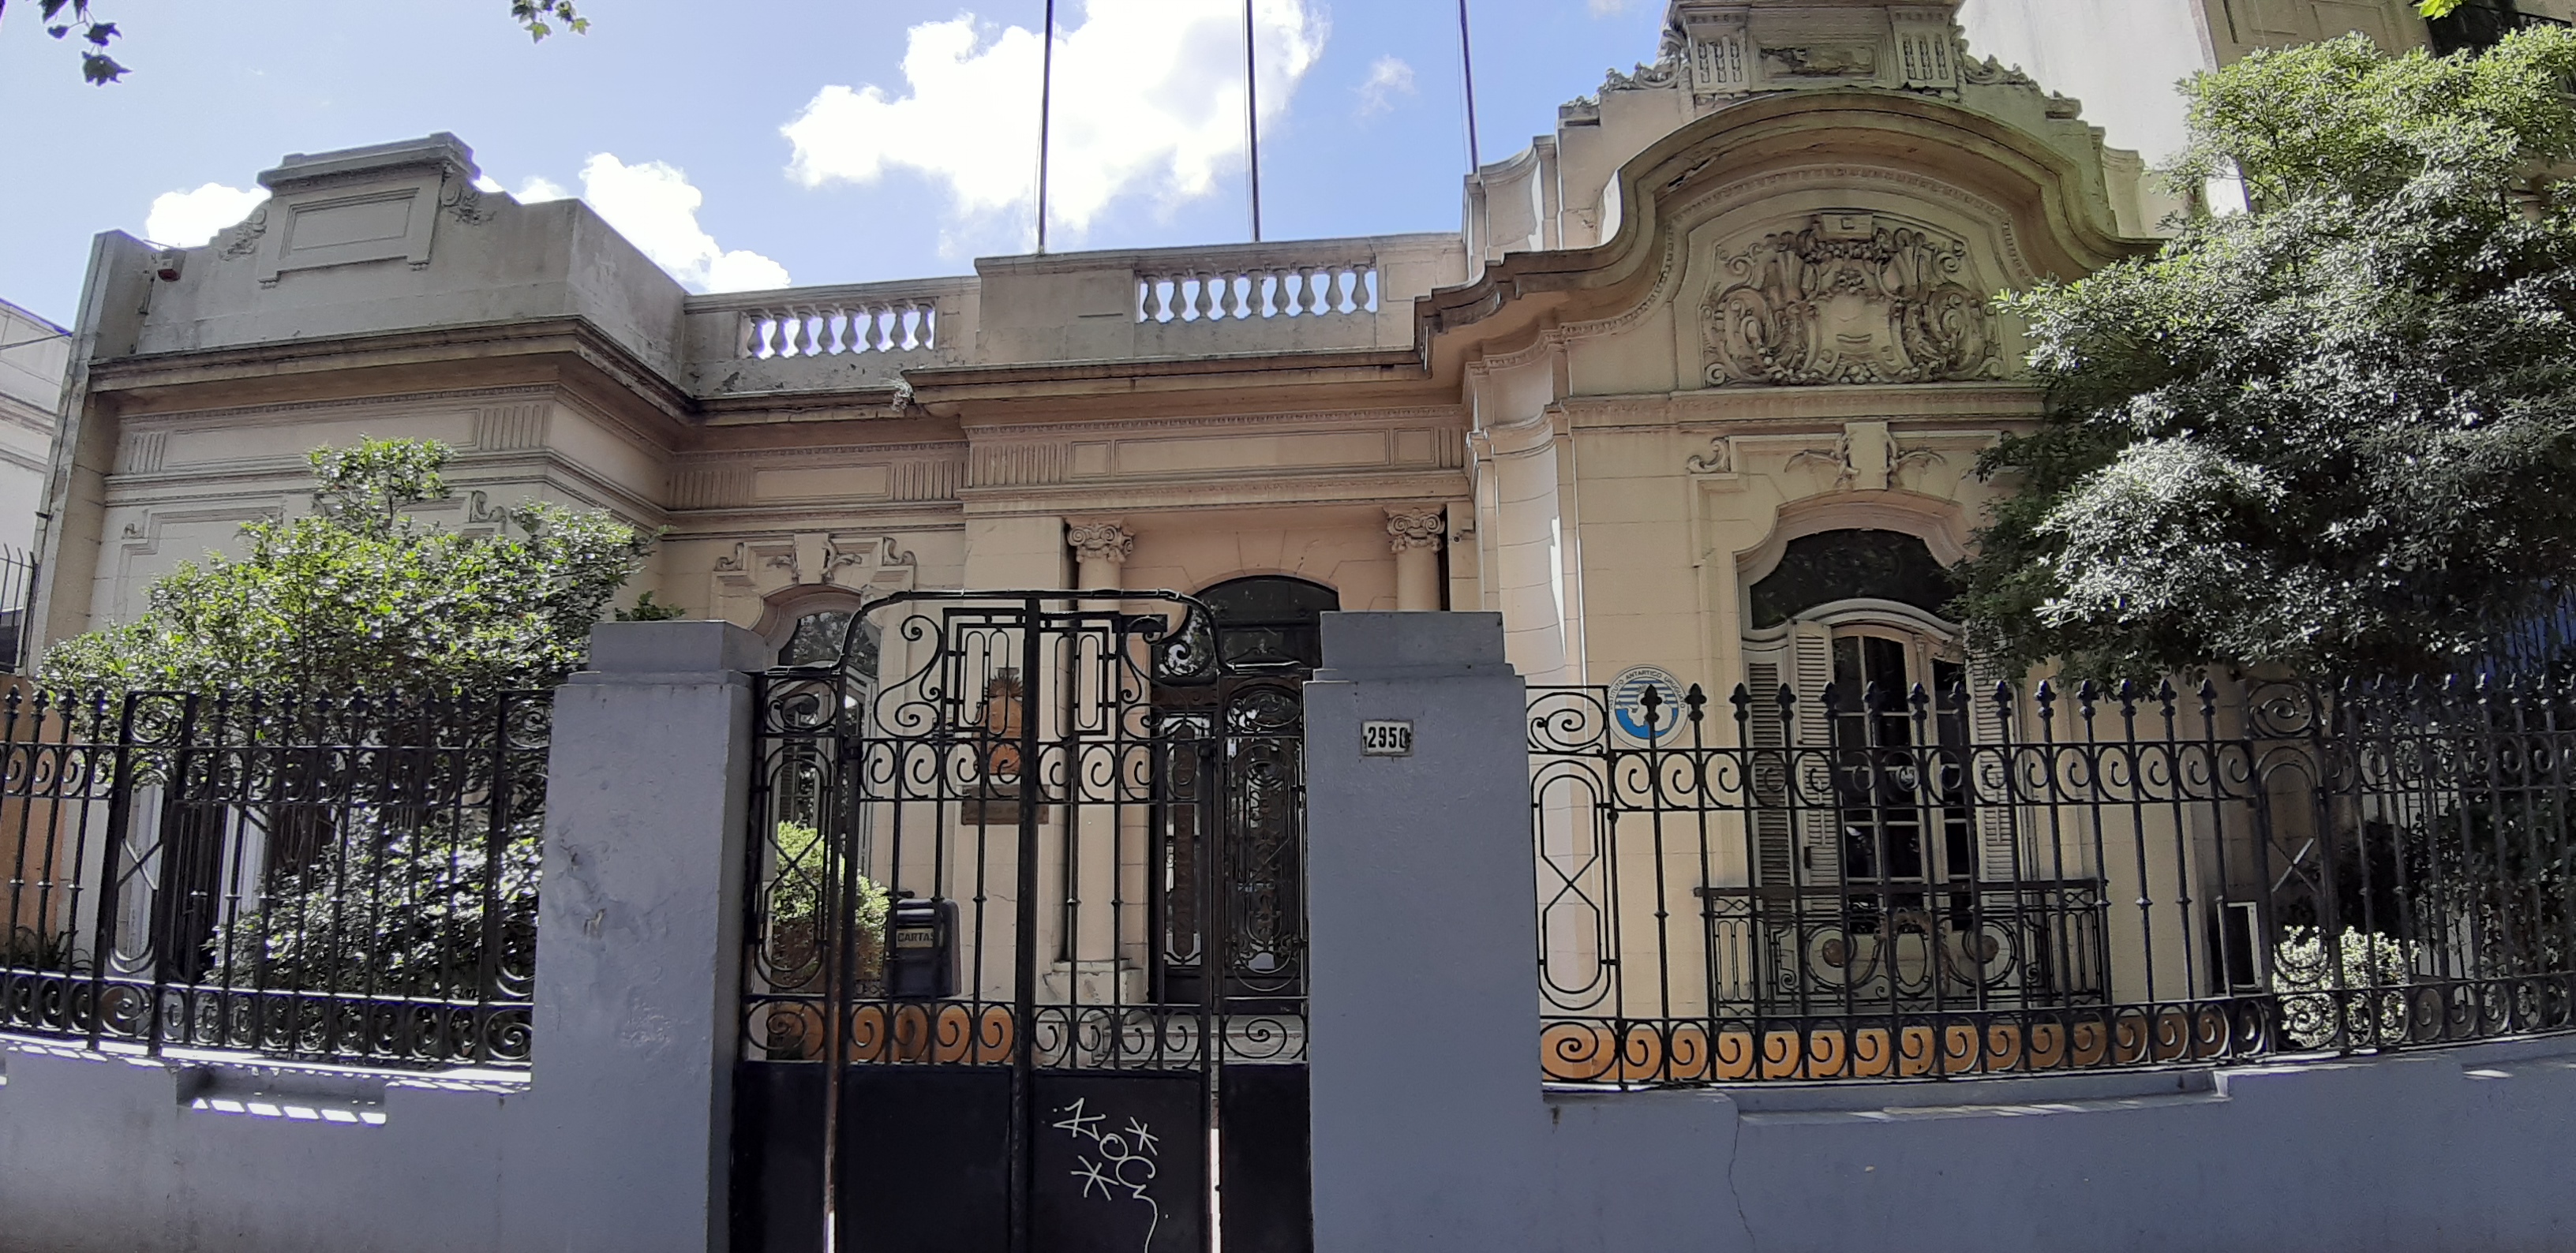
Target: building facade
{"type": "Point", "coordinates": [1699, 385]}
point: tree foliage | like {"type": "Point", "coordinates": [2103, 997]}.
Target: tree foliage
{"type": "Point", "coordinates": [361, 595]}
{"type": "Point", "coordinates": [71, 20]}
{"type": "Point", "coordinates": [2335, 432]}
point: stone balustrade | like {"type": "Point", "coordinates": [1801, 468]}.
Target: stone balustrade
{"type": "Point", "coordinates": [1218, 293]}
{"type": "Point", "coordinates": [836, 327]}
{"type": "Point", "coordinates": [806, 339]}
{"type": "Point", "coordinates": [1307, 296]}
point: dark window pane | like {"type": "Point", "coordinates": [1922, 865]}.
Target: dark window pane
{"type": "Point", "coordinates": [1270, 622]}
{"type": "Point", "coordinates": [1829, 566]}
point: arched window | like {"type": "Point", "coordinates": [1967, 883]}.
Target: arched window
{"type": "Point", "coordinates": [1271, 622]}
{"type": "Point", "coordinates": [1859, 612]}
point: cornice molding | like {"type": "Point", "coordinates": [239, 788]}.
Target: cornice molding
{"type": "Point", "coordinates": [1281, 490]}
{"type": "Point", "coordinates": [566, 336]}
{"type": "Point", "coordinates": [1437, 415]}
{"type": "Point", "coordinates": [249, 415]}
{"type": "Point", "coordinates": [852, 454]}
{"type": "Point", "coordinates": [1906, 403]}
{"type": "Point", "coordinates": [768, 521]}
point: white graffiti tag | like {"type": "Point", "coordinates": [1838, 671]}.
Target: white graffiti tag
{"type": "Point", "coordinates": [1125, 1161]}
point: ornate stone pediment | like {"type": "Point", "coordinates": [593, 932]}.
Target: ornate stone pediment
{"type": "Point", "coordinates": [1849, 298]}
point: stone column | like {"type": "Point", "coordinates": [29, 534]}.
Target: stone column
{"type": "Point", "coordinates": [1415, 533]}
{"type": "Point", "coordinates": [1100, 550]}
{"type": "Point", "coordinates": [639, 941]}
{"type": "Point", "coordinates": [1107, 855]}
{"type": "Point", "coordinates": [1423, 1036]}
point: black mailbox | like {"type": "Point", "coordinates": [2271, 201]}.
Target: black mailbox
{"type": "Point", "coordinates": [921, 963]}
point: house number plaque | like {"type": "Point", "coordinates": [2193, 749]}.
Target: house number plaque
{"type": "Point", "coordinates": [1380, 737]}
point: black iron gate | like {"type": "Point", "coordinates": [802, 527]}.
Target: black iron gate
{"type": "Point", "coordinates": [1024, 945]}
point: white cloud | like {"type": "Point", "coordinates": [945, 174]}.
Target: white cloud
{"type": "Point", "coordinates": [1609, 8]}
{"type": "Point", "coordinates": [185, 219]}
{"type": "Point", "coordinates": [538, 189]}
{"type": "Point", "coordinates": [1388, 78]}
{"type": "Point", "coordinates": [1148, 97]}
{"type": "Point", "coordinates": [653, 205]}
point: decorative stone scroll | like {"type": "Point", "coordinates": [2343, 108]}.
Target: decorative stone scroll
{"type": "Point", "coordinates": [1848, 298]}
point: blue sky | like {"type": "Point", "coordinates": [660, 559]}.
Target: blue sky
{"type": "Point", "coordinates": [839, 141]}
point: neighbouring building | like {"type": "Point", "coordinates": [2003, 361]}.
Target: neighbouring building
{"type": "Point", "coordinates": [34, 354]}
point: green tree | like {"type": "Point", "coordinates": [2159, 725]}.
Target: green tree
{"type": "Point", "coordinates": [2336, 432]}
{"type": "Point", "coordinates": [72, 20]}
{"type": "Point", "coordinates": [389, 900]}
{"type": "Point", "coordinates": [361, 596]}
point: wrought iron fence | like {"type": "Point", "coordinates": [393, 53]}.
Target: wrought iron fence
{"type": "Point", "coordinates": [1882, 884]}
{"type": "Point", "coordinates": [343, 879]}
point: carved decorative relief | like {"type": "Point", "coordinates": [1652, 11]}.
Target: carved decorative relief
{"type": "Point", "coordinates": [1927, 49]}
{"type": "Point", "coordinates": [243, 240]}
{"type": "Point", "coordinates": [1719, 459]}
{"type": "Point", "coordinates": [1721, 60]}
{"type": "Point", "coordinates": [1825, 61]}
{"type": "Point", "coordinates": [1993, 73]}
{"type": "Point", "coordinates": [464, 201]}
{"type": "Point", "coordinates": [859, 563]}
{"type": "Point", "coordinates": [1848, 298]}
{"type": "Point", "coordinates": [479, 509]}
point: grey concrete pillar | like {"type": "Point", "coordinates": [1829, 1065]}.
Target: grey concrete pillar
{"type": "Point", "coordinates": [1424, 997]}
{"type": "Point", "coordinates": [638, 940]}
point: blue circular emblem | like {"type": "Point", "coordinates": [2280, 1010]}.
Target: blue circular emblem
{"type": "Point", "coordinates": [1628, 703]}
